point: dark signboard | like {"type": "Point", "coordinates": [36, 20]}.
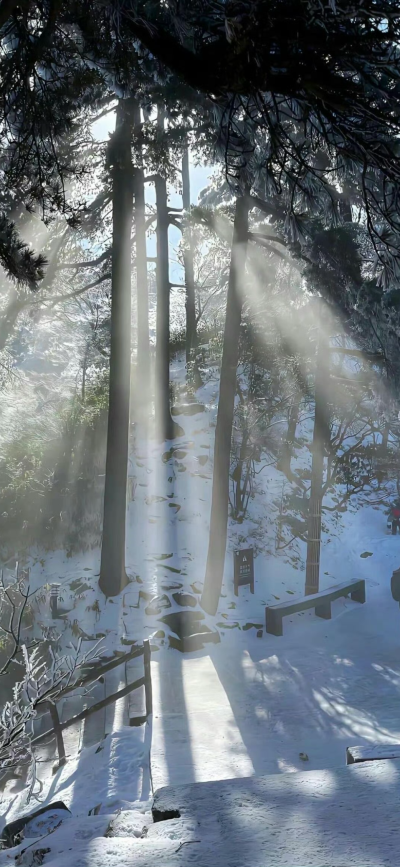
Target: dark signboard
{"type": "Point", "coordinates": [243, 569]}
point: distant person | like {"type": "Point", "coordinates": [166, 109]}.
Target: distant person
{"type": "Point", "coordinates": [394, 516]}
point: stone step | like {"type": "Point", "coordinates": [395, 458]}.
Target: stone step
{"type": "Point", "coordinates": [130, 823]}
{"type": "Point", "coordinates": [372, 753]}
{"type": "Point", "coordinates": [124, 852]}
{"type": "Point", "coordinates": [339, 816]}
{"type": "Point", "coordinates": [73, 833]}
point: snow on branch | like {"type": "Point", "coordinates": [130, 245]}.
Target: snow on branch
{"type": "Point", "coordinates": [45, 677]}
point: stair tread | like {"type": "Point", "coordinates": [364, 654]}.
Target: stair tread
{"type": "Point", "coordinates": [120, 852]}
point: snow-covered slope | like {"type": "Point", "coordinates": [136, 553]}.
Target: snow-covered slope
{"type": "Point", "coordinates": [248, 703]}
{"type": "Point", "coordinates": [167, 536]}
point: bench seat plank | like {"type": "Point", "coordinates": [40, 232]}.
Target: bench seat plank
{"type": "Point", "coordinates": [321, 602]}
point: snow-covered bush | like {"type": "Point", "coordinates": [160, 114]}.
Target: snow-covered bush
{"type": "Point", "coordinates": [44, 676]}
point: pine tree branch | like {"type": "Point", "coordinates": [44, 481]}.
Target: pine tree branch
{"type": "Point", "coordinates": [6, 9]}
{"type": "Point", "coordinates": [80, 291]}
{"type": "Point", "coordinates": [91, 263]}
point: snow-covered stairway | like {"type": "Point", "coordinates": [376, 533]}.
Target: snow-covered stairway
{"type": "Point", "coordinates": [106, 789]}
{"type": "Point", "coordinates": [343, 816]}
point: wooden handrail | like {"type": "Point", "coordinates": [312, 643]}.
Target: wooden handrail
{"type": "Point", "coordinates": [58, 733]}
{"type": "Point", "coordinates": [58, 727]}
{"type": "Point", "coordinates": [96, 673]}
{"type": "Point", "coordinates": [93, 709]}
{"type": "Point", "coordinates": [147, 678]}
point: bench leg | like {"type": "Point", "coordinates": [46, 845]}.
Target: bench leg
{"type": "Point", "coordinates": [273, 622]}
{"type": "Point", "coordinates": [359, 595]}
{"type": "Point", "coordinates": [324, 610]}
{"type": "Point", "coordinates": [349, 756]}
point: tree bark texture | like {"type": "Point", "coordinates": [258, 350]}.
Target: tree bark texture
{"type": "Point", "coordinates": [223, 432]}
{"type": "Point", "coordinates": [188, 263]}
{"type": "Point", "coordinates": [143, 341]}
{"type": "Point", "coordinates": [287, 450]}
{"type": "Point", "coordinates": [166, 427]}
{"type": "Point", "coordinates": [319, 444]}
{"type": "Point", "coordinates": [112, 571]}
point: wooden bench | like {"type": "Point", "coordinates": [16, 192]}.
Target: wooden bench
{"type": "Point", "coordinates": [320, 601]}
{"type": "Point", "coordinates": [372, 753]}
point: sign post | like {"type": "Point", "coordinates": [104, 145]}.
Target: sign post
{"type": "Point", "coordinates": [243, 564]}
{"type": "Point", "coordinates": [54, 588]}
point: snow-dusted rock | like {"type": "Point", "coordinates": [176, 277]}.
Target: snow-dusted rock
{"type": "Point", "coordinates": [343, 816]}
{"type": "Point", "coordinates": [130, 823]}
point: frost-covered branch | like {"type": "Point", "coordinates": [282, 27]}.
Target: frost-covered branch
{"type": "Point", "coordinates": [45, 678]}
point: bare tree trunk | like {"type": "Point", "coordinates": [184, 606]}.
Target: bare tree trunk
{"type": "Point", "coordinates": [319, 443]}
{"type": "Point", "coordinates": [191, 323]}
{"type": "Point", "coordinates": [166, 427]}
{"type": "Point", "coordinates": [143, 341]}
{"type": "Point", "coordinates": [112, 571]}
{"type": "Point", "coordinates": [223, 432]}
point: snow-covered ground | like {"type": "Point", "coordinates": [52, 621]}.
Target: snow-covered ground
{"type": "Point", "coordinates": [167, 536]}
{"type": "Point", "coordinates": [103, 782]}
{"type": "Point", "coordinates": [251, 703]}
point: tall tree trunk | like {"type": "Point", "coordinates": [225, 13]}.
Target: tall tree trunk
{"type": "Point", "coordinates": [385, 438]}
{"type": "Point", "coordinates": [191, 325]}
{"type": "Point", "coordinates": [287, 450]}
{"type": "Point", "coordinates": [143, 341]}
{"type": "Point", "coordinates": [223, 432]}
{"type": "Point", "coordinates": [112, 571]}
{"type": "Point", "coordinates": [319, 444]}
{"type": "Point", "coordinates": [84, 371]}
{"type": "Point", "coordinates": [59, 495]}
{"type": "Point", "coordinates": [241, 485]}
{"type": "Point", "coordinates": [166, 427]}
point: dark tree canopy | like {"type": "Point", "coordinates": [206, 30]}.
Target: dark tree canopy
{"type": "Point", "coordinates": [303, 96]}
{"type": "Point", "coordinates": [318, 82]}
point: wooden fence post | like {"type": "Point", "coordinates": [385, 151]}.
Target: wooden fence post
{"type": "Point", "coordinates": [54, 600]}
{"type": "Point", "coordinates": [147, 675]}
{"type": "Point", "coordinates": [55, 719]}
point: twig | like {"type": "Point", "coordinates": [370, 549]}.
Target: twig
{"type": "Point", "coordinates": [185, 843]}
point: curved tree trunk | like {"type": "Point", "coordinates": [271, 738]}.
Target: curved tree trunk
{"type": "Point", "coordinates": [223, 432]}
{"type": "Point", "coordinates": [112, 571]}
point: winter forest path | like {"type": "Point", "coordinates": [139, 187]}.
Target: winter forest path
{"type": "Point", "coordinates": [195, 737]}
{"type": "Point", "coordinates": [251, 706]}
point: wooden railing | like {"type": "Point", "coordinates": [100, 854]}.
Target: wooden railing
{"type": "Point", "coordinates": [96, 673]}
